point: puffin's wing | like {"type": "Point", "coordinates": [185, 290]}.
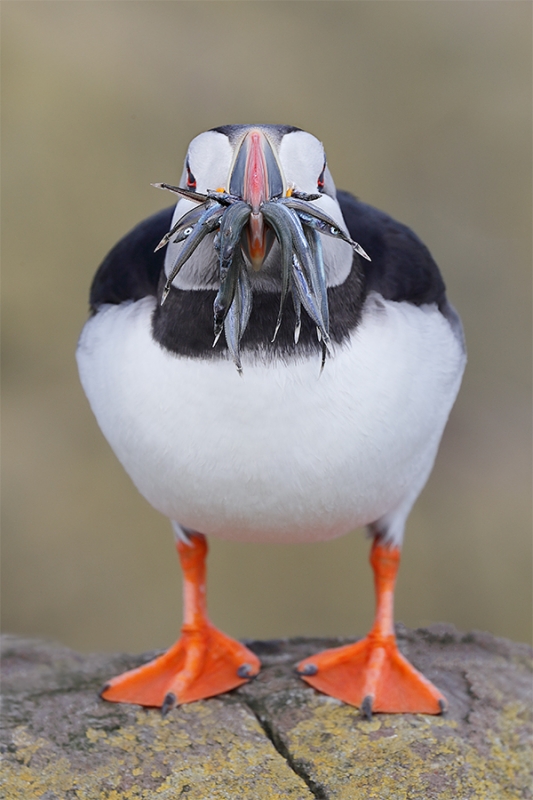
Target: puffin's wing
{"type": "Point", "coordinates": [131, 270]}
{"type": "Point", "coordinates": [402, 267]}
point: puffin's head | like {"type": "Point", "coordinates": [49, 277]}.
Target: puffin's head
{"type": "Point", "coordinates": [257, 210]}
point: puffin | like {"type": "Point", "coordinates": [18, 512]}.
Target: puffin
{"type": "Point", "coordinates": [273, 360]}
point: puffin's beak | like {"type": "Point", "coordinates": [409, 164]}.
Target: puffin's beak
{"type": "Point", "coordinates": [257, 178]}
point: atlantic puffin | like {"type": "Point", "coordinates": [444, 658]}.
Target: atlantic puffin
{"type": "Point", "coordinates": [273, 360]}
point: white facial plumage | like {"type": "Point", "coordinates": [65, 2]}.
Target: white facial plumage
{"type": "Point", "coordinates": [301, 156]}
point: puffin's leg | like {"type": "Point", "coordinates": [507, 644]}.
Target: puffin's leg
{"type": "Point", "coordinates": [372, 673]}
{"type": "Point", "coordinates": [202, 663]}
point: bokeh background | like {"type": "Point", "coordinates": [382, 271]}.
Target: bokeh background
{"type": "Point", "coordinates": [425, 111]}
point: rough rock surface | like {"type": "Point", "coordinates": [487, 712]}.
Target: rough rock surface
{"type": "Point", "coordinates": [273, 738]}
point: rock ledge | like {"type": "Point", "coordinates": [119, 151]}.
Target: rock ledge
{"type": "Point", "coordinates": [274, 738]}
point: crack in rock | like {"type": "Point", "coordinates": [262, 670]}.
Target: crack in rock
{"type": "Point", "coordinates": [297, 765]}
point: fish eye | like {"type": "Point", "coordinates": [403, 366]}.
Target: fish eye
{"type": "Point", "coordinates": [188, 231]}
{"type": "Point", "coordinates": [191, 180]}
{"type": "Point", "coordinates": [321, 179]}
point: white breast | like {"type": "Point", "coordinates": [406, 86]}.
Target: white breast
{"type": "Point", "coordinates": [280, 453]}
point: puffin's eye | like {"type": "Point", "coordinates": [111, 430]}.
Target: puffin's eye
{"type": "Point", "coordinates": [321, 179]}
{"type": "Point", "coordinates": [191, 180]}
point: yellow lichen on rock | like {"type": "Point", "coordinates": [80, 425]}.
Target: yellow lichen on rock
{"type": "Point", "coordinates": [406, 757]}
{"type": "Point", "coordinates": [221, 749]}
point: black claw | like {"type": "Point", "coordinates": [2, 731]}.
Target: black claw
{"type": "Point", "coordinates": [104, 688]}
{"type": "Point", "coordinates": [309, 669]}
{"type": "Point", "coordinates": [366, 707]}
{"type": "Point", "coordinates": [443, 705]}
{"type": "Point", "coordinates": [245, 671]}
{"type": "Point", "coordinates": [168, 703]}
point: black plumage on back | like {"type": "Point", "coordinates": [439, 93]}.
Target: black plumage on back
{"type": "Point", "coordinates": [402, 267]}
{"type": "Point", "coordinates": [131, 270]}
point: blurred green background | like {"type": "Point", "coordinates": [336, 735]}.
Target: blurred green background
{"type": "Point", "coordinates": [425, 111]}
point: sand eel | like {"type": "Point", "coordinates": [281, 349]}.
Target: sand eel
{"type": "Point", "coordinates": [272, 360]}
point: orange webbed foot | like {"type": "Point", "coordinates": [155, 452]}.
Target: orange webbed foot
{"type": "Point", "coordinates": [373, 675]}
{"type": "Point", "coordinates": [202, 663]}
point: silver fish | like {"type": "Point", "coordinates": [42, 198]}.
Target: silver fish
{"type": "Point", "coordinates": [275, 215]}
{"type": "Point", "coordinates": [311, 290]}
{"type": "Point", "coordinates": [198, 234]}
{"type": "Point", "coordinates": [239, 312]}
{"type": "Point", "coordinates": [185, 225]}
{"type": "Point", "coordinates": [312, 216]}
{"type": "Point", "coordinates": [232, 223]}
